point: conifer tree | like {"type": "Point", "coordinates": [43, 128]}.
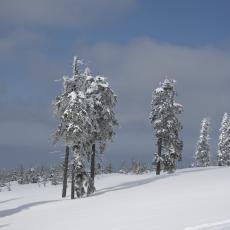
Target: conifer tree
{"type": "Point", "coordinates": [102, 101]}
{"type": "Point", "coordinates": [202, 154]}
{"type": "Point", "coordinates": [163, 118]}
{"type": "Point", "coordinates": [74, 126]}
{"type": "Point", "coordinates": [223, 152]}
{"type": "Point", "coordinates": [85, 111]}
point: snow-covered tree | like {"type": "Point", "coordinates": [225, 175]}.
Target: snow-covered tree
{"type": "Point", "coordinates": [109, 168]}
{"type": "Point", "coordinates": [223, 153]}
{"type": "Point", "coordinates": [102, 101]}
{"type": "Point", "coordinates": [164, 120]}
{"type": "Point", "coordinates": [124, 168]}
{"type": "Point", "coordinates": [85, 111]}
{"type": "Point", "coordinates": [71, 110]}
{"type": "Point", "coordinates": [138, 167]}
{"type": "Point", "coordinates": [202, 154]}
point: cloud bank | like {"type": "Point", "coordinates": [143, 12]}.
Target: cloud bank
{"type": "Point", "coordinates": [133, 69]}
{"type": "Point", "coordinates": [58, 13]}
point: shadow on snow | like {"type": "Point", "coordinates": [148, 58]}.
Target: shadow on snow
{"type": "Point", "coordinates": [128, 185]}
{"type": "Point", "coordinates": [12, 211]}
{"type": "Point", "coordinates": [6, 201]}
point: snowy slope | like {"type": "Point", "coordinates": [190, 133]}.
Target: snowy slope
{"type": "Point", "coordinates": [190, 199]}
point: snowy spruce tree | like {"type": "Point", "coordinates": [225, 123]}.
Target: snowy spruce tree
{"type": "Point", "coordinates": [223, 152]}
{"type": "Point", "coordinates": [85, 111]}
{"type": "Point", "coordinates": [102, 102]}
{"type": "Point", "coordinates": [74, 126]}
{"type": "Point", "coordinates": [164, 120]}
{"type": "Point", "coordinates": [202, 154]}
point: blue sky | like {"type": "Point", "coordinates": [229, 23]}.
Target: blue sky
{"type": "Point", "coordinates": [134, 44]}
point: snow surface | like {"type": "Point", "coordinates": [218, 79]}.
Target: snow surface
{"type": "Point", "coordinates": [189, 199]}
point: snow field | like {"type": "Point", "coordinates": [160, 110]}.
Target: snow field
{"type": "Point", "coordinates": [189, 199]}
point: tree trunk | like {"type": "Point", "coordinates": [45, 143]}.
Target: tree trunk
{"type": "Point", "coordinates": [159, 145]}
{"type": "Point", "coordinates": [65, 172]}
{"type": "Point", "coordinates": [72, 181]}
{"type": "Point", "coordinates": [92, 171]}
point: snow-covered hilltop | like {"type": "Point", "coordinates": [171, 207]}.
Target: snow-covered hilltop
{"type": "Point", "coordinates": [189, 199]}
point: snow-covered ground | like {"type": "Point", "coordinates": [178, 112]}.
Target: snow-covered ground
{"type": "Point", "coordinates": [190, 199]}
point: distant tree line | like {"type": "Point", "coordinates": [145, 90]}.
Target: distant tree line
{"type": "Point", "coordinates": [40, 175]}
{"type": "Point", "coordinates": [134, 167]}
